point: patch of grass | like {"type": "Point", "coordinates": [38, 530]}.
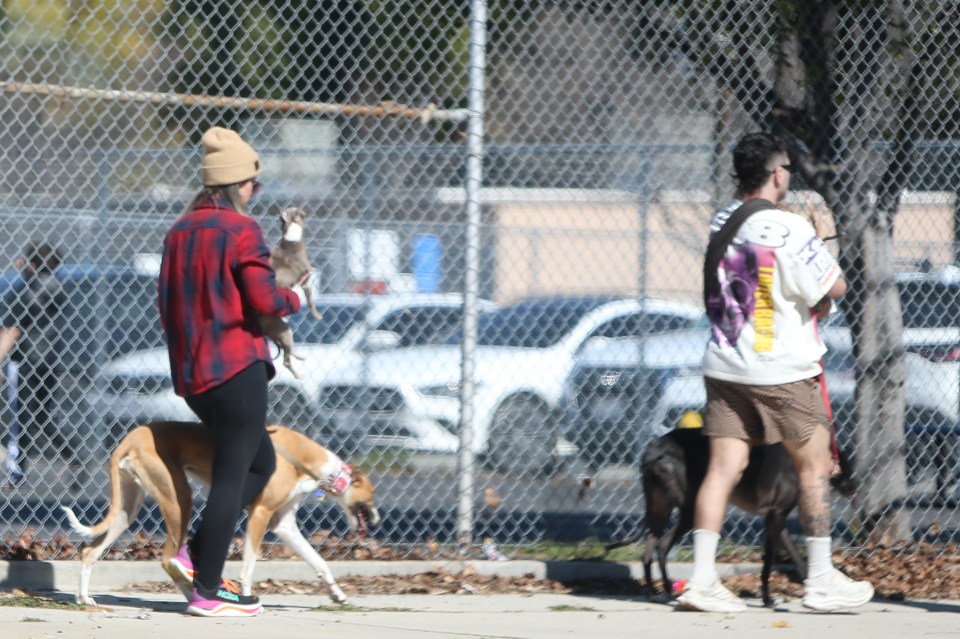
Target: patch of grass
{"type": "Point", "coordinates": [31, 601]}
{"type": "Point", "coordinates": [588, 549]}
{"type": "Point", "coordinates": [383, 460]}
{"type": "Point", "coordinates": [352, 608]}
{"type": "Point", "coordinates": [567, 608]}
{"type": "Point", "coordinates": [591, 548]}
{"type": "Point", "coordinates": [595, 549]}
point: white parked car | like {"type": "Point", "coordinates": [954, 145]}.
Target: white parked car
{"type": "Point", "coordinates": [930, 304]}
{"type": "Point", "coordinates": [137, 387]}
{"type": "Point", "coordinates": [524, 353]}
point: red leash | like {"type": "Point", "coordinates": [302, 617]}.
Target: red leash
{"type": "Point", "coordinates": [834, 448]}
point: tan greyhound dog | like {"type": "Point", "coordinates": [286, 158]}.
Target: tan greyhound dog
{"type": "Point", "coordinates": [157, 457]}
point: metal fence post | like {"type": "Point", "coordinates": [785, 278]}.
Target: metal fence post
{"type": "Point", "coordinates": [474, 179]}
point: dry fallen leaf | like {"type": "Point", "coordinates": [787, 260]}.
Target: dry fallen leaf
{"type": "Point", "coordinates": [920, 570]}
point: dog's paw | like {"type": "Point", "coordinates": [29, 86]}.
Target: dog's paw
{"type": "Point", "coordinates": [86, 601]}
{"type": "Point", "coordinates": [338, 596]}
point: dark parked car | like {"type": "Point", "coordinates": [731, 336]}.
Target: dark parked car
{"type": "Point", "coordinates": [110, 310]}
{"type": "Point", "coordinates": [617, 388]}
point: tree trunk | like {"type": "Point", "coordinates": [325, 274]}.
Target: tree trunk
{"type": "Point", "coordinates": [873, 313]}
{"type": "Point", "coordinates": [859, 85]}
{"type": "Point", "coordinates": [866, 232]}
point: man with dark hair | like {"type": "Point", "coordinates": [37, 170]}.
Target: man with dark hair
{"type": "Point", "coordinates": [770, 278]}
{"type": "Point", "coordinates": [30, 335]}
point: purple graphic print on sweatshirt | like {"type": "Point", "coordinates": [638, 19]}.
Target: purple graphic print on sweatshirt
{"type": "Point", "coordinates": [733, 305]}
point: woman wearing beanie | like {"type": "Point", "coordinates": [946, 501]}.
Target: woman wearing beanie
{"type": "Point", "coordinates": [215, 279]}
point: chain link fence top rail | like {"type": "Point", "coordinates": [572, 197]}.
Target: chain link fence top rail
{"type": "Point", "coordinates": [606, 128]}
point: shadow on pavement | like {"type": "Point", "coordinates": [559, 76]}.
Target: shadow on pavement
{"type": "Point", "coordinates": [930, 606]}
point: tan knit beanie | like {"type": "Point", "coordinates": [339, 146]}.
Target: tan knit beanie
{"type": "Point", "coordinates": [227, 159]}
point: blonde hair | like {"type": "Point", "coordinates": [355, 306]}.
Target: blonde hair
{"type": "Point", "coordinates": [228, 192]}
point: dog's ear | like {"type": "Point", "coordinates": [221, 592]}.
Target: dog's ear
{"type": "Point", "coordinates": [357, 474]}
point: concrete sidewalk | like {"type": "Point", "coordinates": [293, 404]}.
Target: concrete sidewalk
{"type": "Point", "coordinates": [116, 575]}
{"type": "Point", "coordinates": [125, 614]}
{"type": "Point", "coordinates": [542, 616]}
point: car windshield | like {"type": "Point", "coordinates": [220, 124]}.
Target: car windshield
{"type": "Point", "coordinates": [534, 324]}
{"type": "Point", "coordinates": [131, 321]}
{"type": "Point", "coordinates": [335, 321]}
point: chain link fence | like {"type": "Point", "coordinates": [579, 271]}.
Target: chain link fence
{"type": "Point", "coordinates": [601, 134]}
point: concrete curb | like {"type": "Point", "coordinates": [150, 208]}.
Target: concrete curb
{"type": "Point", "coordinates": [116, 575]}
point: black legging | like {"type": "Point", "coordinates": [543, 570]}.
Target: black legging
{"type": "Point", "coordinates": [243, 460]}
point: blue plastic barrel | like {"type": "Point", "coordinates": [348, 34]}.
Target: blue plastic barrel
{"type": "Point", "coordinates": [427, 252]}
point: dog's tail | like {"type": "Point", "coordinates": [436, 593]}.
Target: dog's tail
{"type": "Point", "coordinates": [75, 524]}
{"type": "Point", "coordinates": [626, 541]}
{"type": "Point", "coordinates": [114, 512]}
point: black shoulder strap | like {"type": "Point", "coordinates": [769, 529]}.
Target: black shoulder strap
{"type": "Point", "coordinates": [721, 240]}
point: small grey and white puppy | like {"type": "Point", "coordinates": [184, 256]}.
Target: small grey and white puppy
{"type": "Point", "coordinates": [289, 261]}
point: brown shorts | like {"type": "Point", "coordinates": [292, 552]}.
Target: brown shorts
{"type": "Point", "coordinates": [764, 414]}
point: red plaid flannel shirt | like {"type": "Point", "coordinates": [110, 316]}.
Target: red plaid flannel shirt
{"type": "Point", "coordinates": [215, 279]}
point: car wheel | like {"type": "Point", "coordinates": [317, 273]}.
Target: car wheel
{"type": "Point", "coordinates": [522, 438]}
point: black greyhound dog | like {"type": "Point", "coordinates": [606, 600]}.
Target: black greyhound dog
{"type": "Point", "coordinates": [673, 467]}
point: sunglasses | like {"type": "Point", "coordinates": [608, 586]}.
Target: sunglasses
{"type": "Point", "coordinates": [257, 186]}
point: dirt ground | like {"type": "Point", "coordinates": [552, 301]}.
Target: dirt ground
{"type": "Point", "coordinates": [896, 577]}
{"type": "Point", "coordinates": [918, 571]}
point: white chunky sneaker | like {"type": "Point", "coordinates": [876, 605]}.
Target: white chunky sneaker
{"type": "Point", "coordinates": [713, 598]}
{"type": "Point", "coordinates": [835, 591]}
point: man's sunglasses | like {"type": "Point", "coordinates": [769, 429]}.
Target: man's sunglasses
{"type": "Point", "coordinates": [257, 186]}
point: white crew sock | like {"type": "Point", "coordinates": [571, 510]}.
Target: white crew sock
{"type": "Point", "coordinates": [704, 557]}
{"type": "Point", "coordinates": [819, 561]}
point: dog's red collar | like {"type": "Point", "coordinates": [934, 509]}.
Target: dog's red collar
{"type": "Point", "coordinates": [337, 483]}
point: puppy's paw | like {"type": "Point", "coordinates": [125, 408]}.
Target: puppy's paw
{"type": "Point", "coordinates": [289, 366]}
{"type": "Point", "coordinates": [86, 601]}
